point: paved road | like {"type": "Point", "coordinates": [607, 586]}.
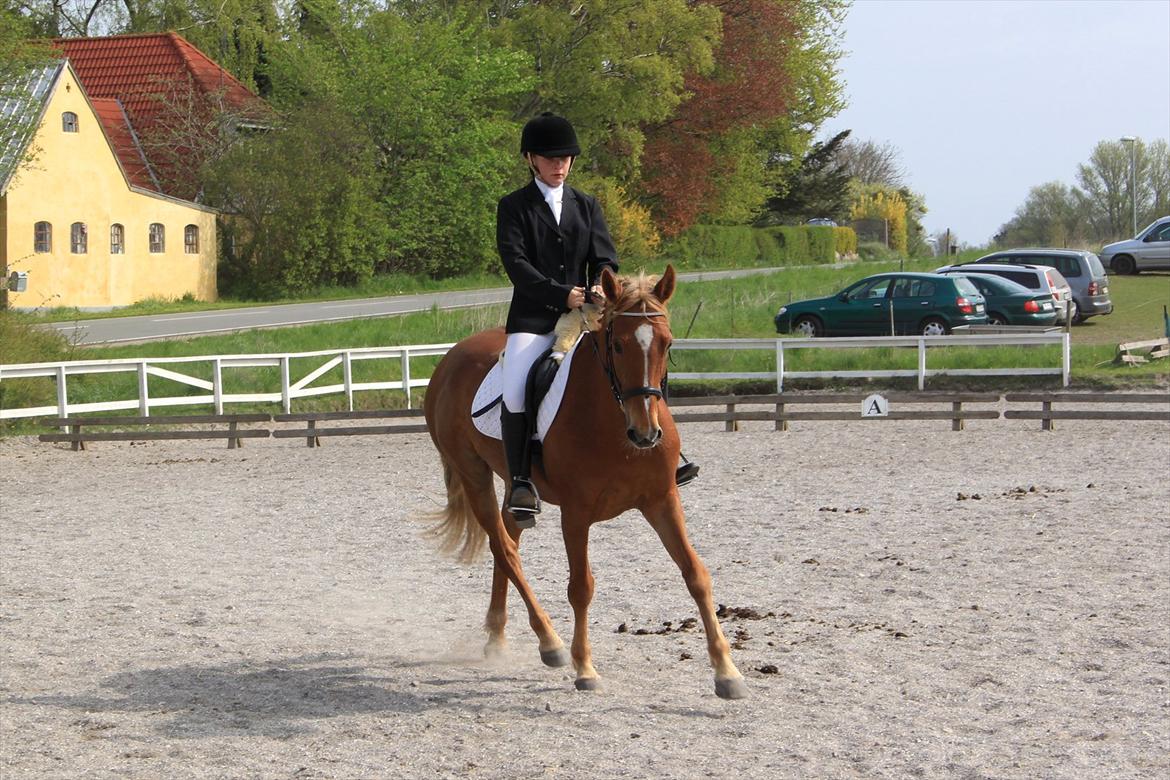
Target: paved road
{"type": "Point", "coordinates": [155, 327]}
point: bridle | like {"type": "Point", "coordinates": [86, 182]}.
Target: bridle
{"type": "Point", "coordinates": [621, 396]}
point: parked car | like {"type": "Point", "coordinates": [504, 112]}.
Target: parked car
{"type": "Point", "coordinates": [1149, 250]}
{"type": "Point", "coordinates": [1009, 303]}
{"type": "Point", "coordinates": [1083, 271]}
{"type": "Point", "coordinates": [824, 221]}
{"type": "Point", "coordinates": [1035, 277]}
{"type": "Point", "coordinates": [917, 303]}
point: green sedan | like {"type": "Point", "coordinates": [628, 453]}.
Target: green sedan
{"type": "Point", "coordinates": [901, 303]}
{"type": "Point", "coordinates": [1009, 303]}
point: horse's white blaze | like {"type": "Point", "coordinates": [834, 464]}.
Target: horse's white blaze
{"type": "Point", "coordinates": [645, 336]}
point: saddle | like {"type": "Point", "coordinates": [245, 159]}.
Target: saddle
{"type": "Point", "coordinates": [542, 397]}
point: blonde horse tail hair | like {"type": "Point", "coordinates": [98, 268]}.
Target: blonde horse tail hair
{"type": "Point", "coordinates": [456, 529]}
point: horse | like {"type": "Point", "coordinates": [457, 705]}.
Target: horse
{"type": "Point", "coordinates": [612, 447]}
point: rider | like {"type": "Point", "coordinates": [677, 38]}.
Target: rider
{"type": "Point", "coordinates": [554, 243]}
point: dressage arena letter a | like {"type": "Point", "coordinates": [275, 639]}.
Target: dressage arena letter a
{"type": "Point", "coordinates": [875, 406]}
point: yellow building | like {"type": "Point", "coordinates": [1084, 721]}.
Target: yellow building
{"type": "Point", "coordinates": [71, 218]}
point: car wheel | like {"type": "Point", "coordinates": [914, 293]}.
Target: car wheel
{"type": "Point", "coordinates": [1124, 264]}
{"type": "Point", "coordinates": [995, 318]}
{"type": "Point", "coordinates": [1074, 313]}
{"type": "Point", "coordinates": [808, 326]}
{"type": "Point", "coordinates": [933, 326]}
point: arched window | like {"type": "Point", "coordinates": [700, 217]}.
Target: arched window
{"type": "Point", "coordinates": [42, 237]}
{"type": "Point", "coordinates": [157, 238]}
{"type": "Point", "coordinates": [78, 238]}
{"type": "Point", "coordinates": [117, 239]}
{"type": "Point", "coordinates": [191, 239]}
{"type": "Point", "coordinates": [69, 122]}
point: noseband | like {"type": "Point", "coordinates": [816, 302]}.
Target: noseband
{"type": "Point", "coordinates": [614, 385]}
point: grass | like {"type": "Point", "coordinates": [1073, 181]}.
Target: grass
{"type": "Point", "coordinates": [737, 308]}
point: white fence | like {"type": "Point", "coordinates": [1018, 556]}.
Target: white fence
{"type": "Point", "coordinates": [326, 361]}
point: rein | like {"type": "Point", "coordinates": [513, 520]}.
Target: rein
{"type": "Point", "coordinates": [607, 364]}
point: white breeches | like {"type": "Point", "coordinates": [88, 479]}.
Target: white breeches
{"type": "Point", "coordinates": [521, 351]}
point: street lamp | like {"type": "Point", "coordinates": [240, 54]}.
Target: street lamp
{"type": "Point", "coordinates": [1132, 141]}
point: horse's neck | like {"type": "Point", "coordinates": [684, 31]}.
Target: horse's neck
{"type": "Point", "coordinates": [588, 380]}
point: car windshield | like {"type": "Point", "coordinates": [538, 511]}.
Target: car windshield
{"type": "Point", "coordinates": [997, 285]}
{"type": "Point", "coordinates": [965, 286]}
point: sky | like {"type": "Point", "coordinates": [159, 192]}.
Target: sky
{"type": "Point", "coordinates": [986, 99]}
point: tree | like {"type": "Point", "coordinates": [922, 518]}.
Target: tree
{"type": "Point", "coordinates": [1052, 215]}
{"type": "Point", "coordinates": [1104, 188]}
{"type": "Point", "coordinates": [818, 188]}
{"type": "Point", "coordinates": [881, 205]}
{"type": "Point", "coordinates": [1158, 166]}
{"type": "Point", "coordinates": [711, 159]}
{"type": "Point", "coordinates": [872, 163]}
{"type": "Point", "coordinates": [299, 206]}
{"type": "Point", "coordinates": [433, 101]}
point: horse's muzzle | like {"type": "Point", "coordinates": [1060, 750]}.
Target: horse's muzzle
{"type": "Point", "coordinates": [644, 442]}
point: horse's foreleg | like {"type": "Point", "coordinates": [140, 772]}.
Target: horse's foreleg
{"type": "Point", "coordinates": [504, 543]}
{"type": "Point", "coordinates": [669, 522]}
{"type": "Point", "coordinates": [576, 536]}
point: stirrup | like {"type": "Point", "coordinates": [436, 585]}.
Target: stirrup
{"type": "Point", "coordinates": [686, 473]}
{"type": "Point", "coordinates": [523, 499]}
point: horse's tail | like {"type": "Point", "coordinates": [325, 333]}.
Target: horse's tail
{"type": "Point", "coordinates": [457, 530]}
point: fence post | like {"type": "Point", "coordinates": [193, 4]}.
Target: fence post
{"type": "Point", "coordinates": [781, 425]}
{"type": "Point", "coordinates": [285, 396]}
{"type": "Point", "coordinates": [62, 394]}
{"type": "Point", "coordinates": [779, 365]}
{"type": "Point", "coordinates": [143, 391]}
{"type": "Point", "coordinates": [347, 378]}
{"type": "Point", "coordinates": [406, 375]}
{"type": "Point", "coordinates": [217, 384]}
{"type": "Point", "coordinates": [1066, 356]}
{"type": "Point", "coordinates": [957, 422]}
{"type": "Point", "coordinates": [921, 362]}
{"type": "Point", "coordinates": [731, 425]}
{"type": "Point", "coordinates": [1046, 420]}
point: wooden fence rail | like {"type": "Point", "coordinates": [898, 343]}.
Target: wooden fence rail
{"type": "Point", "coordinates": [312, 434]}
{"type": "Point", "coordinates": [955, 407]}
{"type": "Point", "coordinates": [1046, 413]}
{"type": "Point", "coordinates": [234, 434]}
{"type": "Point", "coordinates": [782, 403]}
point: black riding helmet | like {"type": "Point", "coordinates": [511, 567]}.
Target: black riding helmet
{"type": "Point", "coordinates": [549, 136]}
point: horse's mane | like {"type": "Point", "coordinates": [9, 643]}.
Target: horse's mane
{"type": "Point", "coordinates": [637, 294]}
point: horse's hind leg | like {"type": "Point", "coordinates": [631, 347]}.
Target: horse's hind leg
{"type": "Point", "coordinates": [504, 541]}
{"type": "Point", "coordinates": [669, 522]}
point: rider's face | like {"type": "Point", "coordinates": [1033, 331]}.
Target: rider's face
{"type": "Point", "coordinates": [551, 170]}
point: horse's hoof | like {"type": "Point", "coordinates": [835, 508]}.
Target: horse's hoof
{"type": "Point", "coordinates": [494, 650]}
{"type": "Point", "coordinates": [558, 657]}
{"type": "Point", "coordinates": [731, 688]}
{"type": "Point", "coordinates": [587, 683]}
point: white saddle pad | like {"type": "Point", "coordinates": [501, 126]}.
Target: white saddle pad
{"type": "Point", "coordinates": [492, 387]}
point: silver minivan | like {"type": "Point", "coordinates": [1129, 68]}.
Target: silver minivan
{"type": "Point", "coordinates": [1148, 251]}
{"type": "Point", "coordinates": [1035, 277]}
{"type": "Point", "coordinates": [1083, 271]}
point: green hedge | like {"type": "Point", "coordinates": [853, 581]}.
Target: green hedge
{"type": "Point", "coordinates": [714, 246]}
{"type": "Point", "coordinates": [846, 240]}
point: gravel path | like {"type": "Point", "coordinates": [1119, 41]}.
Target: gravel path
{"type": "Point", "coordinates": [904, 600]}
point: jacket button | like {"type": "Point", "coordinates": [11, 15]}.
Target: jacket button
{"type": "Point", "coordinates": [558, 239]}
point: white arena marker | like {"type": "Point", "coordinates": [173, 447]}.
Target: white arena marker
{"type": "Point", "coordinates": [875, 406]}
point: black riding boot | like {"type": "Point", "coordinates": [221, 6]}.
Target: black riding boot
{"type": "Point", "coordinates": [686, 471]}
{"type": "Point", "coordinates": [523, 501]}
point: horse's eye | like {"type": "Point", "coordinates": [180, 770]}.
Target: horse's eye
{"type": "Point", "coordinates": [617, 347]}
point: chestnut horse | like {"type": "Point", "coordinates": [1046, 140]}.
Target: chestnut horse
{"type": "Point", "coordinates": [612, 447]}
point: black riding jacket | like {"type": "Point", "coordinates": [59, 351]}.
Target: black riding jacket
{"type": "Point", "coordinates": [545, 261]}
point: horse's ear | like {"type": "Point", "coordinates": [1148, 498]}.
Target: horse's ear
{"type": "Point", "coordinates": [610, 285]}
{"type": "Point", "coordinates": [665, 287]}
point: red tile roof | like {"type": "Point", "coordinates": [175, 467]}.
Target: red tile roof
{"type": "Point", "coordinates": [113, 119]}
{"type": "Point", "coordinates": [138, 70]}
